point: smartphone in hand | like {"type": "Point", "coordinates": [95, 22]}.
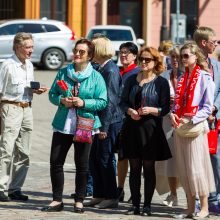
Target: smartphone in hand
{"type": "Point", "coordinates": [35, 85]}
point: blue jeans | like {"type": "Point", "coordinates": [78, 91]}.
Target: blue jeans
{"type": "Point", "coordinates": [89, 185]}
{"type": "Point", "coordinates": [103, 164]}
{"type": "Point", "coordinates": [215, 160]}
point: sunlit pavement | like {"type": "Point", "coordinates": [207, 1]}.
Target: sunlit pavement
{"type": "Point", "coordinates": [38, 187]}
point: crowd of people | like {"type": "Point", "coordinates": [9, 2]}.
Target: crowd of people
{"type": "Point", "coordinates": [154, 112]}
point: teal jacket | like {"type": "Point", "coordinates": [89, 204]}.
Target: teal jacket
{"type": "Point", "coordinates": [92, 90]}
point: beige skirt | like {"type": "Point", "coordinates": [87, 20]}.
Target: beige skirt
{"type": "Point", "coordinates": [194, 165]}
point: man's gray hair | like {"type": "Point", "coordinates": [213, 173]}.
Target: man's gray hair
{"type": "Point", "coordinates": [20, 37]}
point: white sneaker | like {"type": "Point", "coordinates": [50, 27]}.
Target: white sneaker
{"type": "Point", "coordinates": [108, 203]}
{"type": "Point", "coordinates": [171, 201]}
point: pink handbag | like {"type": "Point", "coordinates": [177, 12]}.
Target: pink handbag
{"type": "Point", "coordinates": [84, 128]}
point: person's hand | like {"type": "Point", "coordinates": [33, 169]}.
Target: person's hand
{"type": "Point", "coordinates": [67, 101]}
{"type": "Point", "coordinates": [40, 90]}
{"type": "Point", "coordinates": [174, 120]}
{"type": "Point", "coordinates": [134, 115]}
{"type": "Point", "coordinates": [183, 120]}
{"type": "Point", "coordinates": [77, 102]}
{"type": "Point", "coordinates": [144, 111]}
{"type": "Point", "coordinates": [211, 119]}
{"type": "Point", "coordinates": [102, 135]}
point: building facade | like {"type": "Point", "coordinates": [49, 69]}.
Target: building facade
{"type": "Point", "coordinates": [145, 16]}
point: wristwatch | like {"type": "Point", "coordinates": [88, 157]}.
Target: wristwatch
{"type": "Point", "coordinates": [159, 111]}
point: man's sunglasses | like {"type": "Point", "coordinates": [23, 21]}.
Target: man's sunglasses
{"type": "Point", "coordinates": [145, 59]}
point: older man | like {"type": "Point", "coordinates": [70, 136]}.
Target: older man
{"type": "Point", "coordinates": [16, 73]}
{"type": "Point", "coordinates": [205, 38]}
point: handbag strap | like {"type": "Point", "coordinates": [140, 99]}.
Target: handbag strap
{"type": "Point", "coordinates": [75, 92]}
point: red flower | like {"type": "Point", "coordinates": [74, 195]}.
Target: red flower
{"type": "Point", "coordinates": [62, 85]}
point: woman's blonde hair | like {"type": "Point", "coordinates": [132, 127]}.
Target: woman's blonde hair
{"type": "Point", "coordinates": [194, 49]}
{"type": "Point", "coordinates": [159, 65]}
{"type": "Point", "coordinates": [174, 50]}
{"type": "Point", "coordinates": [165, 47]}
{"type": "Point", "coordinates": [103, 47]}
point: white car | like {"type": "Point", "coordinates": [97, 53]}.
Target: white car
{"type": "Point", "coordinates": [53, 41]}
{"type": "Point", "coordinates": [118, 34]}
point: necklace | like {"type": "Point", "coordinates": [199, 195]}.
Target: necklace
{"type": "Point", "coordinates": [144, 80]}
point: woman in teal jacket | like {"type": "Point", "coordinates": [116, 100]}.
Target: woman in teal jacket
{"type": "Point", "coordinates": [85, 96]}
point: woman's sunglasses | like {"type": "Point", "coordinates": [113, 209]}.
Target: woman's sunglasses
{"type": "Point", "coordinates": [186, 56]}
{"type": "Point", "coordinates": [81, 52]}
{"type": "Point", "coordinates": [145, 59]}
{"type": "Point", "coordinates": [173, 56]}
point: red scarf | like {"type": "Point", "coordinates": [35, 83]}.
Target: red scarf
{"type": "Point", "coordinates": [186, 91]}
{"type": "Point", "coordinates": [129, 68]}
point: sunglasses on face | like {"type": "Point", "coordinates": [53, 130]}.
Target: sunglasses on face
{"type": "Point", "coordinates": [186, 56]}
{"type": "Point", "coordinates": [145, 59]}
{"type": "Point", "coordinates": [174, 57]}
{"type": "Point", "coordinates": [81, 52]}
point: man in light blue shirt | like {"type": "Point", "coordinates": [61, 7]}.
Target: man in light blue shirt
{"type": "Point", "coordinates": [205, 38]}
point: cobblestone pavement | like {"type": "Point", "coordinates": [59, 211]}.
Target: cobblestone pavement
{"type": "Point", "coordinates": [37, 185]}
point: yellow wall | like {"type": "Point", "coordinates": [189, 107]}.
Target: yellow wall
{"type": "Point", "coordinates": [32, 9]}
{"type": "Point", "coordinates": [75, 16]}
{"type": "Point", "coordinates": [75, 12]}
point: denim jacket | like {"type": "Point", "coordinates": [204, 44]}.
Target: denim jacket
{"type": "Point", "coordinates": [112, 113]}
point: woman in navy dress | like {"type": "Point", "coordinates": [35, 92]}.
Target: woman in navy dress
{"type": "Point", "coordinates": [145, 100]}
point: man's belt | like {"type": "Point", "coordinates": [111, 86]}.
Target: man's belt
{"type": "Point", "coordinates": [19, 104]}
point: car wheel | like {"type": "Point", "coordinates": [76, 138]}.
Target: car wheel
{"type": "Point", "coordinates": [53, 59]}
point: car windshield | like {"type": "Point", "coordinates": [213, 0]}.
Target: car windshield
{"type": "Point", "coordinates": [112, 34]}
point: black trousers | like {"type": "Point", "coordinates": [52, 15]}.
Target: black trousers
{"type": "Point", "coordinates": [135, 181]}
{"type": "Point", "coordinates": [61, 144]}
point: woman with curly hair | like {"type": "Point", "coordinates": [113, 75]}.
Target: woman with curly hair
{"type": "Point", "coordinates": [145, 100]}
{"type": "Point", "coordinates": [192, 106]}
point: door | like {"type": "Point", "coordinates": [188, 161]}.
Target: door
{"type": "Point", "coordinates": [126, 12]}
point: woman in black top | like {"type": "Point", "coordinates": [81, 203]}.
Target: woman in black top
{"type": "Point", "coordinates": [145, 99]}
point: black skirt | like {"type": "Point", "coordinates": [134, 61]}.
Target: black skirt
{"type": "Point", "coordinates": [144, 139]}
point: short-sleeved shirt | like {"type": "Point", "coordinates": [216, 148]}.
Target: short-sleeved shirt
{"type": "Point", "coordinates": [15, 78]}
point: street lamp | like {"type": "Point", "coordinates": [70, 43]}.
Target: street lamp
{"type": "Point", "coordinates": [163, 31]}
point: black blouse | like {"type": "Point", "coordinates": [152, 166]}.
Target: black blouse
{"type": "Point", "coordinates": [155, 93]}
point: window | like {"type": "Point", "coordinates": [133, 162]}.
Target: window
{"type": "Point", "coordinates": [126, 12]}
{"type": "Point", "coordinates": [53, 9]}
{"type": "Point", "coordinates": [9, 29]}
{"type": "Point", "coordinates": [51, 28]}
{"type": "Point", "coordinates": [113, 34]}
{"type": "Point", "coordinates": [31, 28]}
{"type": "Point", "coordinates": [190, 9]}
